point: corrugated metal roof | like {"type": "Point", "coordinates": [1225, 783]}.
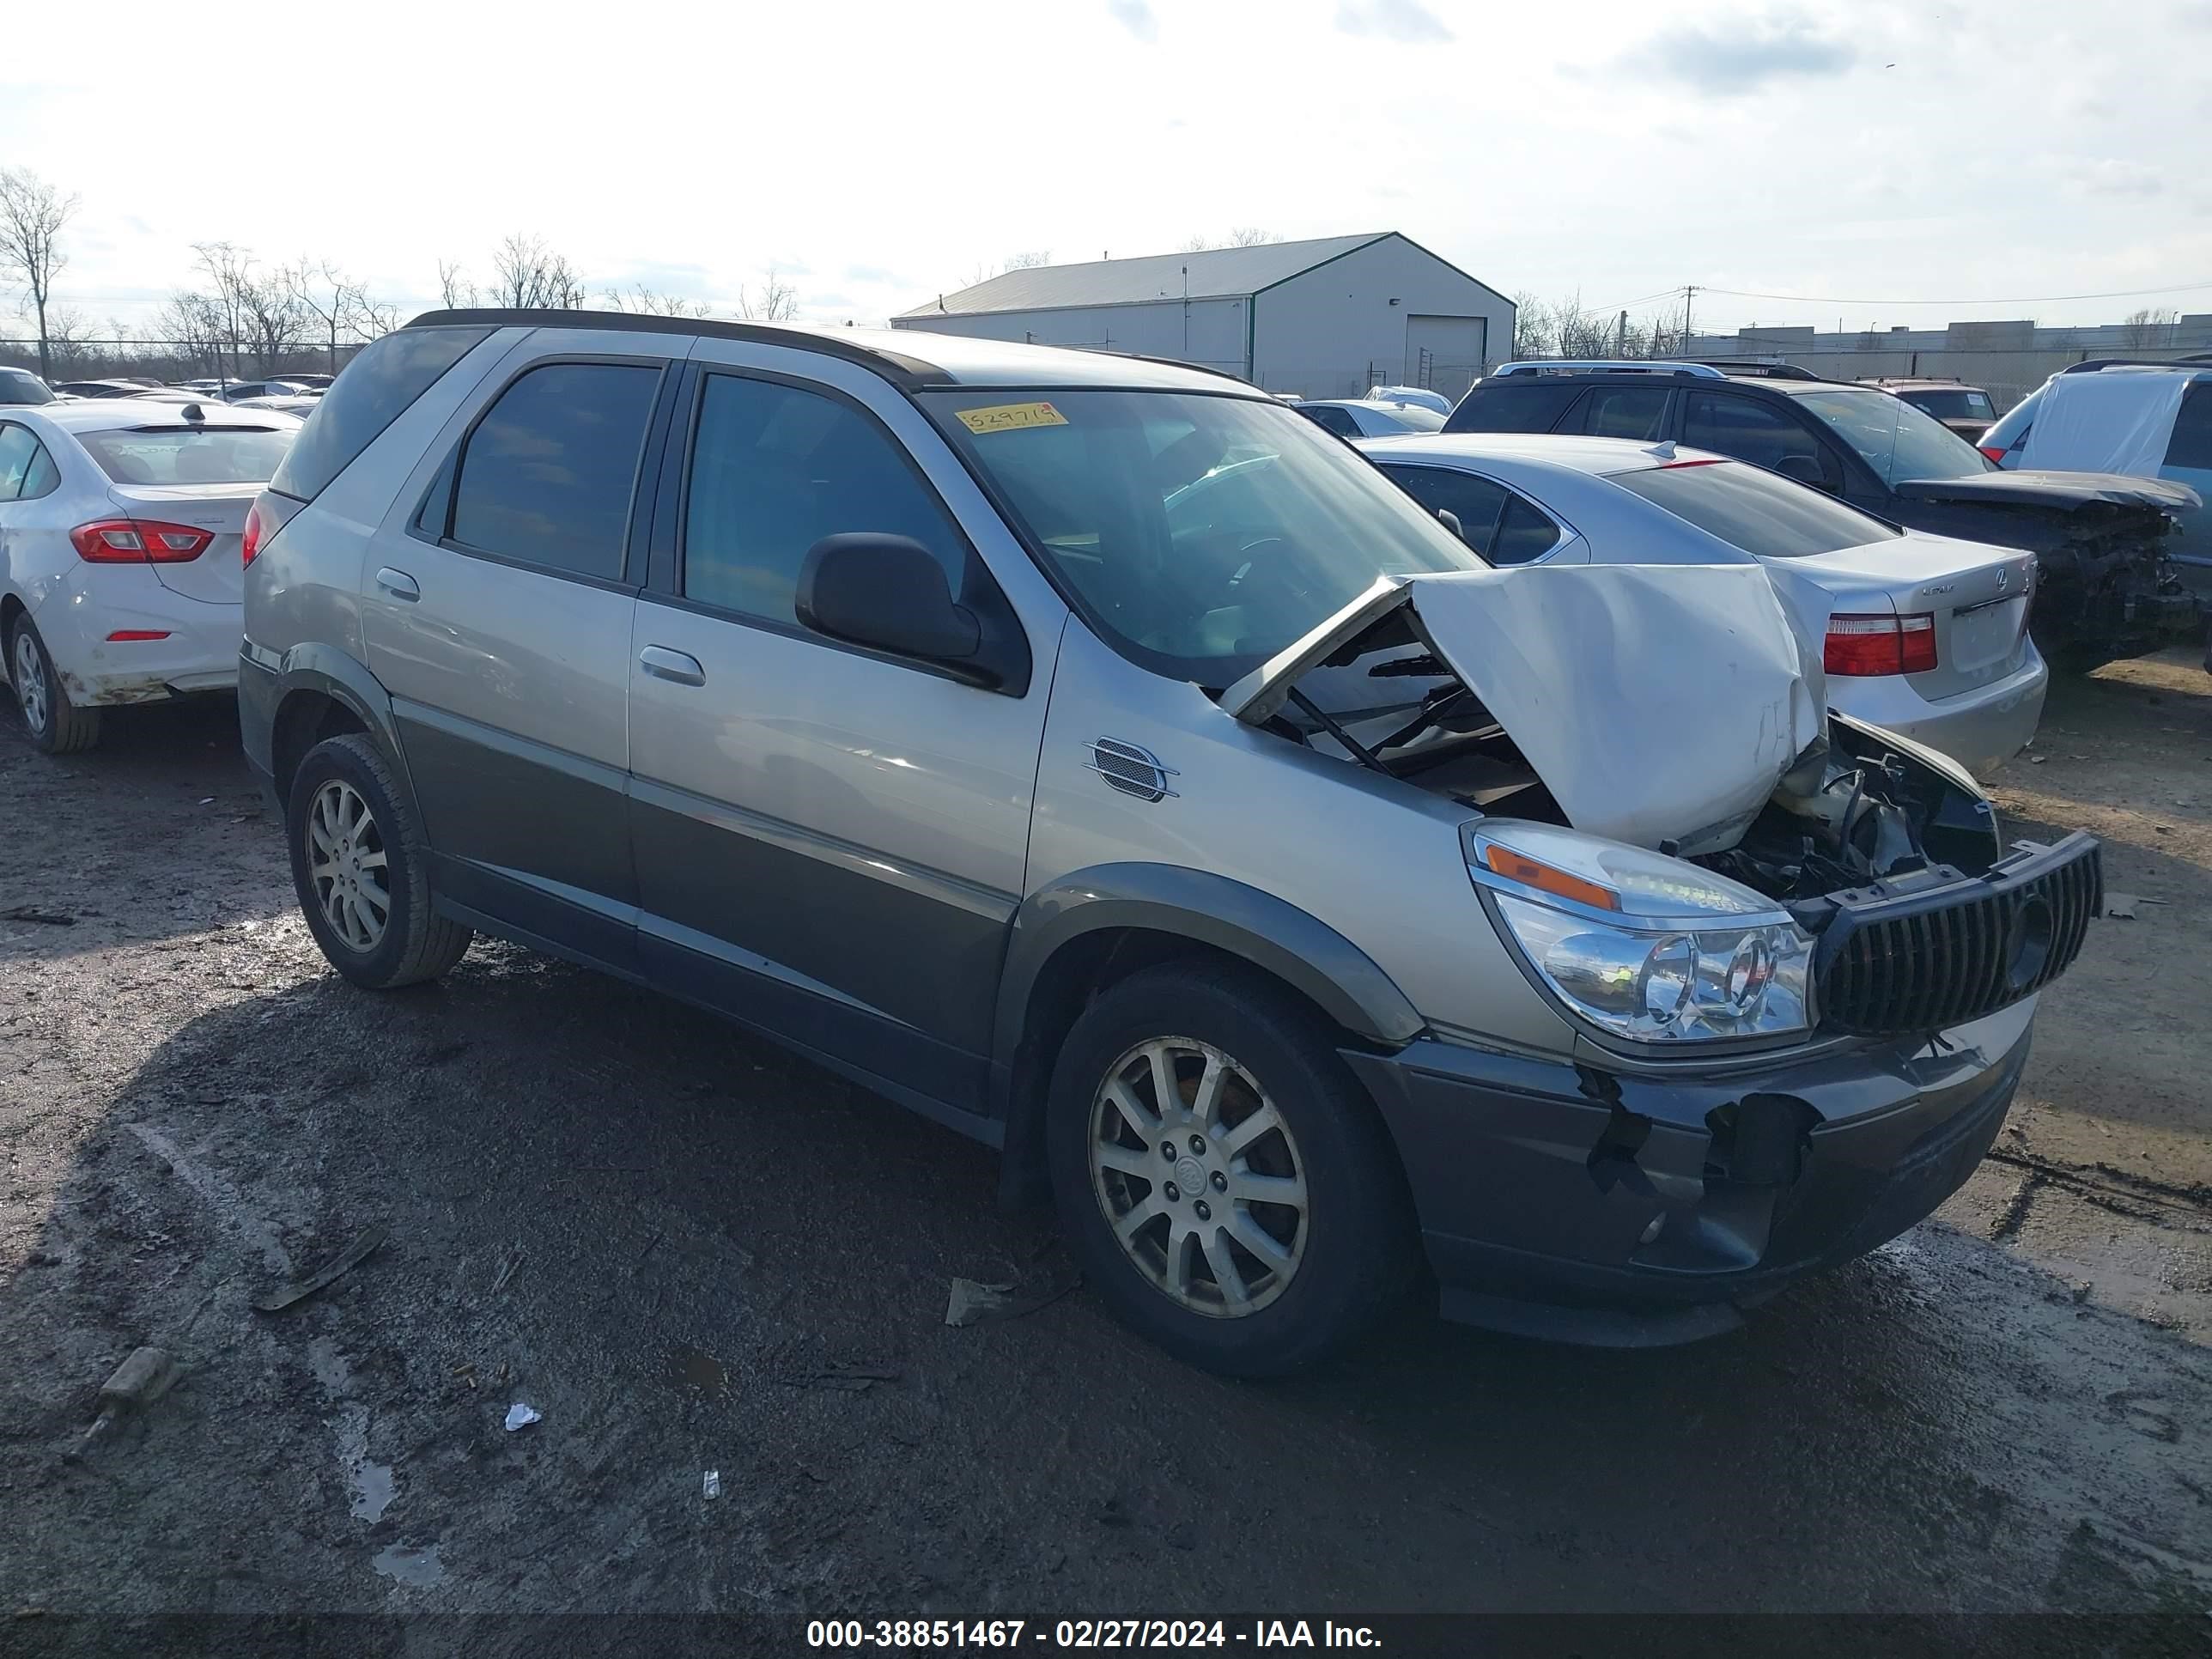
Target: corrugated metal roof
{"type": "Point", "coordinates": [1218, 273]}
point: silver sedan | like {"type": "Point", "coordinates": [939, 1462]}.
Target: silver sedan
{"type": "Point", "coordinates": [1925, 635]}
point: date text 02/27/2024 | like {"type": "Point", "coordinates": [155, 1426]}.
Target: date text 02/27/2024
{"type": "Point", "coordinates": [1069, 1634]}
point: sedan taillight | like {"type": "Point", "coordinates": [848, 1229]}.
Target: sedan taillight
{"type": "Point", "coordinates": [139, 541]}
{"type": "Point", "coordinates": [1865, 646]}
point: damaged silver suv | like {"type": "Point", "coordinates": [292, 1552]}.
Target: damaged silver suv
{"type": "Point", "coordinates": [1102, 760]}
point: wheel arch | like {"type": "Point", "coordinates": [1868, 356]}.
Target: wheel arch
{"type": "Point", "coordinates": [320, 692]}
{"type": "Point", "coordinates": [1094, 927]}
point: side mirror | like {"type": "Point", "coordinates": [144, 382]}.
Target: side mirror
{"type": "Point", "coordinates": [885, 591]}
{"type": "Point", "coordinates": [1450, 521]}
{"type": "Point", "coordinates": [1806, 469]}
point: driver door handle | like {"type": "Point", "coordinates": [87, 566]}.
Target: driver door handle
{"type": "Point", "coordinates": [399, 583]}
{"type": "Point", "coordinates": [680, 666]}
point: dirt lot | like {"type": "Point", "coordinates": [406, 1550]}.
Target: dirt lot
{"type": "Point", "coordinates": [691, 1252]}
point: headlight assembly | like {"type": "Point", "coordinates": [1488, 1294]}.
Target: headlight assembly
{"type": "Point", "coordinates": [1643, 946]}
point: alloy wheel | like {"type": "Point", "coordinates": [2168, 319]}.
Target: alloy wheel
{"type": "Point", "coordinates": [31, 694]}
{"type": "Point", "coordinates": [347, 865]}
{"type": "Point", "coordinates": [1198, 1177]}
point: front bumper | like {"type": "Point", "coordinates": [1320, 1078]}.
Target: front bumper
{"type": "Point", "coordinates": [1632, 1209]}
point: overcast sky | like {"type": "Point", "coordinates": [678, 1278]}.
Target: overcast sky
{"type": "Point", "coordinates": [878, 152]}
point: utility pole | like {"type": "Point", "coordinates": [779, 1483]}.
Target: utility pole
{"type": "Point", "coordinates": [1688, 295]}
{"type": "Point", "coordinates": [1620, 336]}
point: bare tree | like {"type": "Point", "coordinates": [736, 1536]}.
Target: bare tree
{"type": "Point", "coordinates": [32, 218]}
{"type": "Point", "coordinates": [1241, 236]}
{"type": "Point", "coordinates": [2150, 326]}
{"type": "Point", "coordinates": [648, 302]}
{"type": "Point", "coordinates": [195, 324]}
{"type": "Point", "coordinates": [373, 318]}
{"type": "Point", "coordinates": [454, 288]}
{"type": "Point", "coordinates": [531, 276]}
{"type": "Point", "coordinates": [1532, 326]}
{"type": "Point", "coordinates": [277, 326]}
{"type": "Point", "coordinates": [774, 301]}
{"type": "Point", "coordinates": [1029, 261]}
{"type": "Point", "coordinates": [229, 270]}
{"type": "Point", "coordinates": [332, 299]}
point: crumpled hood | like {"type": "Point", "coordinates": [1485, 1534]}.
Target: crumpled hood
{"type": "Point", "coordinates": [1657, 703]}
{"type": "Point", "coordinates": [2067, 490]}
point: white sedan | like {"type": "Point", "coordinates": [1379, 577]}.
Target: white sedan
{"type": "Point", "coordinates": [120, 568]}
{"type": "Point", "coordinates": [1925, 635]}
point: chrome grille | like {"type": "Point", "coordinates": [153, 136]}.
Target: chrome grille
{"type": "Point", "coordinates": [1892, 967]}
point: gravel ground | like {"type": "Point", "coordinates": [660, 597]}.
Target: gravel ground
{"type": "Point", "coordinates": [689, 1251]}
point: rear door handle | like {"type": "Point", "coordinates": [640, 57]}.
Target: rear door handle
{"type": "Point", "coordinates": [399, 583]}
{"type": "Point", "coordinates": [680, 667]}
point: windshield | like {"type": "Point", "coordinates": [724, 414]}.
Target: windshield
{"type": "Point", "coordinates": [17, 386]}
{"type": "Point", "coordinates": [1896, 440]}
{"type": "Point", "coordinates": [1758, 511]}
{"type": "Point", "coordinates": [1199, 534]}
{"type": "Point", "coordinates": [190, 455]}
{"type": "Point", "coordinates": [1952, 406]}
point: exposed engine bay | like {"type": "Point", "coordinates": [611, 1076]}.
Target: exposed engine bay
{"type": "Point", "coordinates": [1846, 808]}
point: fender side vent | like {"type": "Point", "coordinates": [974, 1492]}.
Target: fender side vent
{"type": "Point", "coordinates": [1132, 770]}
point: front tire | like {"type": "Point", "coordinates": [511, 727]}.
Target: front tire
{"type": "Point", "coordinates": [361, 867]}
{"type": "Point", "coordinates": [57, 725]}
{"type": "Point", "coordinates": [1222, 1179]}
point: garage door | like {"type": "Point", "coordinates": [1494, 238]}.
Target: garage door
{"type": "Point", "coordinates": [1445, 352]}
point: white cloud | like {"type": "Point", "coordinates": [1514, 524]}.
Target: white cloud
{"type": "Point", "coordinates": [1135, 16]}
{"type": "Point", "coordinates": [1407, 21]}
{"type": "Point", "coordinates": [1634, 179]}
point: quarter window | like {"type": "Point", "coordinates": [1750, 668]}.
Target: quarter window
{"type": "Point", "coordinates": [17, 448]}
{"type": "Point", "coordinates": [546, 476]}
{"type": "Point", "coordinates": [1631, 411]}
{"type": "Point", "coordinates": [1756, 432]}
{"type": "Point", "coordinates": [44, 477]}
{"type": "Point", "coordinates": [2192, 443]}
{"type": "Point", "coordinates": [776, 468]}
{"type": "Point", "coordinates": [1476, 502]}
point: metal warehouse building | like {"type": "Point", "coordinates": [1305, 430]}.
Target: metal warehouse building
{"type": "Point", "coordinates": [1323, 318]}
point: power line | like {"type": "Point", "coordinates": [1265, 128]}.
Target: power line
{"type": "Point", "coordinates": [2028, 299]}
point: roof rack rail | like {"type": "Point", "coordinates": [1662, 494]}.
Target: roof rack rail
{"type": "Point", "coordinates": [894, 365]}
{"type": "Point", "coordinates": [1765, 369]}
{"type": "Point", "coordinates": [2196, 360]}
{"type": "Point", "coordinates": [1605, 365]}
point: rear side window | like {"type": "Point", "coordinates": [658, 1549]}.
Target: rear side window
{"type": "Point", "coordinates": [188, 454]}
{"type": "Point", "coordinates": [17, 450]}
{"type": "Point", "coordinates": [1330, 418]}
{"type": "Point", "coordinates": [2192, 443]}
{"type": "Point", "coordinates": [375, 389]}
{"type": "Point", "coordinates": [1755, 511]}
{"type": "Point", "coordinates": [1476, 502]}
{"type": "Point", "coordinates": [1752, 431]}
{"type": "Point", "coordinates": [1524, 534]}
{"type": "Point", "coordinates": [776, 468]}
{"type": "Point", "coordinates": [546, 476]}
{"type": "Point", "coordinates": [1622, 411]}
{"type": "Point", "coordinates": [1513, 405]}
{"type": "Point", "coordinates": [44, 477]}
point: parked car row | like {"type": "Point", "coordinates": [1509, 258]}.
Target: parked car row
{"type": "Point", "coordinates": [19, 386]}
{"type": "Point", "coordinates": [120, 523]}
{"type": "Point", "coordinates": [1097, 757]}
{"type": "Point", "coordinates": [2107, 586]}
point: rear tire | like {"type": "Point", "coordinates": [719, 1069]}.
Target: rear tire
{"type": "Point", "coordinates": [57, 725]}
{"type": "Point", "coordinates": [361, 866]}
{"type": "Point", "coordinates": [1263, 1243]}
